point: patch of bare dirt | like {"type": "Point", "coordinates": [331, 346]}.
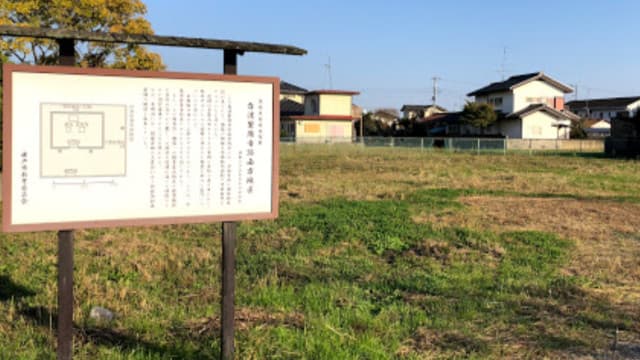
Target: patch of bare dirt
{"type": "Point", "coordinates": [245, 319]}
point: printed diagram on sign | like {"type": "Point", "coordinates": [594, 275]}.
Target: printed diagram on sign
{"type": "Point", "coordinates": [82, 140]}
{"type": "Point", "coordinates": [80, 130]}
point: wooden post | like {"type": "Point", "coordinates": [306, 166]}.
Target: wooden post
{"type": "Point", "coordinates": [227, 311]}
{"type": "Point", "coordinates": [362, 129]}
{"type": "Point", "coordinates": [65, 294]}
{"type": "Point", "coordinates": [66, 57]}
{"type": "Point", "coordinates": [227, 346]}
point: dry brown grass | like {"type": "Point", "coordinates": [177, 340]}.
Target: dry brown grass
{"type": "Point", "coordinates": [605, 233]}
{"type": "Point", "coordinates": [163, 278]}
{"type": "Point", "coordinates": [606, 253]}
{"type": "Point", "coordinates": [575, 198]}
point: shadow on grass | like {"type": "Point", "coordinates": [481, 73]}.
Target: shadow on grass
{"type": "Point", "coordinates": [122, 340]}
{"type": "Point", "coordinates": [10, 290]}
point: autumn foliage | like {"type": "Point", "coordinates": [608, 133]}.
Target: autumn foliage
{"type": "Point", "coordinates": [122, 16]}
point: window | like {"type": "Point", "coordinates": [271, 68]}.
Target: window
{"type": "Point", "coordinates": [496, 102]}
{"type": "Point", "coordinates": [314, 106]}
{"type": "Point", "coordinates": [311, 128]}
{"type": "Point", "coordinates": [336, 131]}
{"type": "Point", "coordinates": [539, 100]}
{"type": "Point", "coordinates": [287, 129]}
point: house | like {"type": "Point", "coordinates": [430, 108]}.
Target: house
{"type": "Point", "coordinates": [385, 116]}
{"type": "Point", "coordinates": [596, 128]}
{"type": "Point", "coordinates": [443, 124]}
{"type": "Point", "coordinates": [327, 115]}
{"type": "Point", "coordinates": [412, 112]}
{"type": "Point", "coordinates": [292, 92]}
{"type": "Point", "coordinates": [291, 104]}
{"type": "Point", "coordinates": [530, 106]}
{"type": "Point", "coordinates": [605, 109]}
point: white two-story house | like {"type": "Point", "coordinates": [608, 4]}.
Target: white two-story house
{"type": "Point", "coordinates": [531, 107]}
{"type": "Point", "coordinates": [606, 109]}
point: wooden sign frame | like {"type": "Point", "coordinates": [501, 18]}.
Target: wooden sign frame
{"type": "Point", "coordinates": [8, 152]}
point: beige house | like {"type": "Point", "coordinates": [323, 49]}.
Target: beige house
{"type": "Point", "coordinates": [531, 105]}
{"type": "Point", "coordinates": [327, 116]}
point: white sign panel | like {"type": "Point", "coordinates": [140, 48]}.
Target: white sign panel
{"type": "Point", "coordinates": [87, 147]}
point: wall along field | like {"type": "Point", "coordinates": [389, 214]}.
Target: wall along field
{"type": "Point", "coordinates": [377, 254]}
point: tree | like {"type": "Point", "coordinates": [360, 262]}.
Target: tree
{"type": "Point", "coordinates": [480, 115]}
{"type": "Point", "coordinates": [578, 129]}
{"type": "Point", "coordinates": [372, 127]}
{"type": "Point", "coordinates": [123, 16]}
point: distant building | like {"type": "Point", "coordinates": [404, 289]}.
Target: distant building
{"type": "Point", "coordinates": [292, 92]}
{"type": "Point", "coordinates": [327, 115]}
{"type": "Point", "coordinates": [413, 112]}
{"type": "Point", "coordinates": [596, 128]}
{"type": "Point", "coordinates": [444, 124]}
{"type": "Point", "coordinates": [386, 117]}
{"type": "Point", "coordinates": [606, 108]}
{"type": "Point", "coordinates": [531, 106]}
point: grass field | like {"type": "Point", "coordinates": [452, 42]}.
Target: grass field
{"type": "Point", "coordinates": [377, 254]}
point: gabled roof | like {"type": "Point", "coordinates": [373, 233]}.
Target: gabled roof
{"type": "Point", "coordinates": [288, 88]}
{"type": "Point", "coordinates": [450, 117]}
{"type": "Point", "coordinates": [420, 107]}
{"type": "Point", "coordinates": [519, 80]}
{"type": "Point", "coordinates": [603, 103]}
{"type": "Point", "coordinates": [290, 108]}
{"type": "Point", "coordinates": [543, 107]}
{"type": "Point", "coordinates": [384, 113]}
{"type": "Point", "coordinates": [589, 123]}
{"type": "Point", "coordinates": [333, 92]}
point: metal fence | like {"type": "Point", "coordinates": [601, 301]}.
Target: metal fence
{"type": "Point", "coordinates": [478, 145]}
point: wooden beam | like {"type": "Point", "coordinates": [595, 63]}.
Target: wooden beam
{"type": "Point", "coordinates": [62, 34]}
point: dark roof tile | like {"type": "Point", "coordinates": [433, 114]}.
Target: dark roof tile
{"type": "Point", "coordinates": [420, 107]}
{"type": "Point", "coordinates": [288, 88]}
{"type": "Point", "coordinates": [516, 81]}
{"type": "Point", "coordinates": [602, 103]}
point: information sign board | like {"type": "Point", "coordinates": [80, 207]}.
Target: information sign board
{"type": "Point", "coordinates": [99, 147]}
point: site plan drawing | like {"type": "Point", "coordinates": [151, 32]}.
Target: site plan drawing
{"type": "Point", "coordinates": [82, 140]}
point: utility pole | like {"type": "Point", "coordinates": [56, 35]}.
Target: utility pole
{"type": "Point", "coordinates": [575, 94]}
{"type": "Point", "coordinates": [434, 98]}
{"type": "Point", "coordinates": [586, 103]}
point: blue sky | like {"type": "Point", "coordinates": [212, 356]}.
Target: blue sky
{"type": "Point", "coordinates": [390, 50]}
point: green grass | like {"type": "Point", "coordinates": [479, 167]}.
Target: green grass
{"type": "Point", "coordinates": [336, 276]}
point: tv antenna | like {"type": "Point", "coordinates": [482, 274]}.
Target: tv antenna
{"type": "Point", "coordinates": [503, 64]}
{"type": "Point", "coordinates": [434, 98]}
{"type": "Point", "coordinates": [328, 67]}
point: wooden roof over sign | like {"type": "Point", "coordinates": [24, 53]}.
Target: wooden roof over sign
{"type": "Point", "coordinates": [239, 46]}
